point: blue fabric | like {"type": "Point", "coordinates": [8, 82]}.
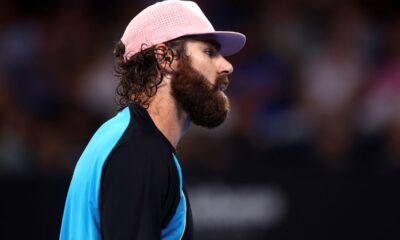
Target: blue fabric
{"type": "Point", "coordinates": [81, 219]}
{"type": "Point", "coordinates": [176, 227]}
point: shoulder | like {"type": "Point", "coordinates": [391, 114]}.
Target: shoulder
{"type": "Point", "coordinates": [140, 146]}
{"type": "Point", "coordinates": [141, 154]}
{"type": "Point", "coordinates": [139, 163]}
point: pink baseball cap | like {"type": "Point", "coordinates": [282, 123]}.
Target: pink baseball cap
{"type": "Point", "coordinates": [171, 19]}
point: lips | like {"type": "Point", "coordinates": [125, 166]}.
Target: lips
{"type": "Point", "coordinates": [221, 83]}
{"type": "Point", "coordinates": [223, 87]}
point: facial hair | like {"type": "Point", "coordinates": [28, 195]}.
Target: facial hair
{"type": "Point", "coordinates": [204, 103]}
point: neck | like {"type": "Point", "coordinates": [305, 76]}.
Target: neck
{"type": "Point", "coordinates": [169, 118]}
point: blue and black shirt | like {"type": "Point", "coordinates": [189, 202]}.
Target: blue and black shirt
{"type": "Point", "coordinates": [127, 185]}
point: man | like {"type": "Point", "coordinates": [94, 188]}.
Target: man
{"type": "Point", "coordinates": [128, 182]}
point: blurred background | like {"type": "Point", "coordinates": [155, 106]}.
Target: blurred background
{"type": "Point", "coordinates": [311, 149]}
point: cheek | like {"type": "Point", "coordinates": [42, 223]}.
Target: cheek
{"type": "Point", "coordinates": [206, 68]}
{"type": "Point", "coordinates": [212, 78]}
{"type": "Point", "coordinates": [209, 74]}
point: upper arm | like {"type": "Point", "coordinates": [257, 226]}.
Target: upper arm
{"type": "Point", "coordinates": [134, 185]}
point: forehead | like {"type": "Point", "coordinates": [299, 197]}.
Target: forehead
{"type": "Point", "coordinates": [209, 43]}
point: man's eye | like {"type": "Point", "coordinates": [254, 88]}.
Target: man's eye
{"type": "Point", "coordinates": [210, 52]}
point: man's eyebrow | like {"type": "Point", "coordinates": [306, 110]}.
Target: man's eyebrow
{"type": "Point", "coordinates": [213, 44]}
{"type": "Point", "coordinates": [207, 39]}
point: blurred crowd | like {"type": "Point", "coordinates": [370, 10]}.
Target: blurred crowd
{"type": "Point", "coordinates": [316, 87]}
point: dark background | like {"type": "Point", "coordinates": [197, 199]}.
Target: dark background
{"type": "Point", "coordinates": [311, 149]}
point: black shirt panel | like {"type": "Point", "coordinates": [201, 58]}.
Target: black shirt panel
{"type": "Point", "coordinates": [140, 184]}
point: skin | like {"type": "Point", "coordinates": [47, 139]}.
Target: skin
{"type": "Point", "coordinates": [167, 115]}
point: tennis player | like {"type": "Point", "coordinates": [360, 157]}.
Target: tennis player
{"type": "Point", "coordinates": [128, 182]}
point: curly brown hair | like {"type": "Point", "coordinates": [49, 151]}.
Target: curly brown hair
{"type": "Point", "coordinates": [140, 76]}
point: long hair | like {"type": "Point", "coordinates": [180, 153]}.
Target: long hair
{"type": "Point", "coordinates": [140, 76]}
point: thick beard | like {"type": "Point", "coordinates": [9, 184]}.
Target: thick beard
{"type": "Point", "coordinates": [204, 103]}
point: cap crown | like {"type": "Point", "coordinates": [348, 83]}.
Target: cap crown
{"type": "Point", "coordinates": [164, 21]}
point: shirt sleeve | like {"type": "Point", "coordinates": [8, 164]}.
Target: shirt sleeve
{"type": "Point", "coordinates": [134, 192]}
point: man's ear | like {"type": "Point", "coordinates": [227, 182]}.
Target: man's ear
{"type": "Point", "coordinates": [164, 57]}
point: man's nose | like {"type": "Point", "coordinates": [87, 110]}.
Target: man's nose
{"type": "Point", "coordinates": [224, 67]}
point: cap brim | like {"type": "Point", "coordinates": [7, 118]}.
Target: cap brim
{"type": "Point", "coordinates": [230, 42]}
